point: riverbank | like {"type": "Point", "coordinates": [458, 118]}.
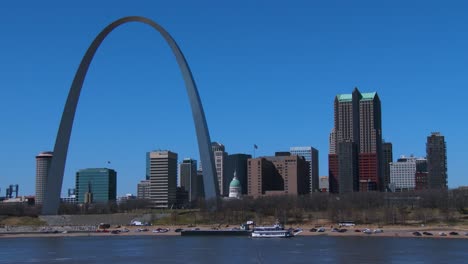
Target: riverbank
{"type": "Point", "coordinates": [388, 231]}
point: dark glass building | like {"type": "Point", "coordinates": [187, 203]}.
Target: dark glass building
{"type": "Point", "coordinates": [101, 183]}
{"type": "Point", "coordinates": [189, 178]}
{"type": "Point", "coordinates": [436, 152]}
{"type": "Point", "coordinates": [348, 167]}
{"type": "Point", "coordinates": [236, 163]}
{"type": "Point", "coordinates": [387, 157]}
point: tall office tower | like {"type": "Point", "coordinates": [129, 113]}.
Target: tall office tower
{"type": "Point", "coordinates": [436, 152]}
{"type": "Point", "coordinates": [143, 189]}
{"type": "Point", "coordinates": [189, 178]}
{"type": "Point", "coordinates": [220, 160]}
{"type": "Point", "coordinates": [403, 174]}
{"type": "Point", "coordinates": [99, 183]}
{"type": "Point", "coordinates": [387, 157]}
{"type": "Point", "coordinates": [348, 167]}
{"type": "Point", "coordinates": [201, 186]}
{"type": "Point", "coordinates": [357, 121]}
{"type": "Point", "coordinates": [163, 178]}
{"type": "Point", "coordinates": [236, 163]}
{"type": "Point", "coordinates": [43, 161]}
{"type": "Point", "coordinates": [421, 174]}
{"type": "Point", "coordinates": [370, 151]}
{"type": "Point", "coordinates": [311, 156]}
{"type": "Point", "coordinates": [278, 175]}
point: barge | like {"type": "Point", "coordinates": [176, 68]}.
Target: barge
{"type": "Point", "coordinates": [226, 232]}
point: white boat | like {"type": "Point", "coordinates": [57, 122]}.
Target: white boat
{"type": "Point", "coordinates": [276, 230]}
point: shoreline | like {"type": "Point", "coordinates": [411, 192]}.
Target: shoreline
{"type": "Point", "coordinates": [391, 231]}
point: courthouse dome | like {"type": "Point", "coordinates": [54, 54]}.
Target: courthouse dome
{"type": "Point", "coordinates": [235, 182]}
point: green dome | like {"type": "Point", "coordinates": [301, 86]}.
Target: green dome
{"type": "Point", "coordinates": [235, 183]}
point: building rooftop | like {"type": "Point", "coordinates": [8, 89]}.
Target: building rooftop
{"type": "Point", "coordinates": [344, 97]}
{"type": "Point", "coordinates": [349, 97]}
{"type": "Point", "coordinates": [368, 96]}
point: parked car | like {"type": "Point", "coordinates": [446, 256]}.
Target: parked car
{"type": "Point", "coordinates": [427, 233]}
{"type": "Point", "coordinates": [321, 230]}
{"type": "Point", "coordinates": [453, 233]}
{"type": "Point", "coordinates": [417, 233]}
{"type": "Point", "coordinates": [178, 230]}
{"type": "Point", "coordinates": [367, 231]}
{"type": "Point", "coordinates": [378, 230]}
{"type": "Point", "coordinates": [313, 230]}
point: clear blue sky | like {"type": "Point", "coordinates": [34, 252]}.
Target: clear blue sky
{"type": "Point", "coordinates": [267, 74]}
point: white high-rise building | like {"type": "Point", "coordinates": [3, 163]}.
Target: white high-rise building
{"type": "Point", "coordinates": [310, 154]}
{"type": "Point", "coordinates": [403, 174]}
{"type": "Point", "coordinates": [220, 159]}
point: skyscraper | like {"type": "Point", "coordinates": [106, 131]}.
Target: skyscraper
{"type": "Point", "coordinates": [189, 178]}
{"type": "Point", "coordinates": [370, 150]}
{"type": "Point", "coordinates": [220, 160]}
{"type": "Point", "coordinates": [99, 183]}
{"type": "Point", "coordinates": [436, 152]}
{"type": "Point", "coordinates": [357, 123]}
{"type": "Point", "coordinates": [387, 157]}
{"type": "Point", "coordinates": [163, 178]}
{"type": "Point", "coordinates": [311, 156]}
{"type": "Point", "coordinates": [43, 161]}
{"type": "Point", "coordinates": [236, 163]}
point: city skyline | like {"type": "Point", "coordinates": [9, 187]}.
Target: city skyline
{"type": "Point", "coordinates": [323, 55]}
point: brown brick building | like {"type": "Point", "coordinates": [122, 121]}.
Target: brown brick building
{"type": "Point", "coordinates": [277, 175]}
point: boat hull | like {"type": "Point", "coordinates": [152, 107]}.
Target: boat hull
{"type": "Point", "coordinates": [215, 233]}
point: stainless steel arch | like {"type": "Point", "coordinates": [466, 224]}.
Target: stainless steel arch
{"type": "Point", "coordinates": [55, 177]}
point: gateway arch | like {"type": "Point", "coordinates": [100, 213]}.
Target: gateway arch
{"type": "Point", "coordinates": [57, 167]}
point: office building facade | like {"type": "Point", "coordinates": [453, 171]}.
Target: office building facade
{"type": "Point", "coordinates": [311, 156]}
{"type": "Point", "coordinates": [387, 158]}
{"type": "Point", "coordinates": [278, 175]}
{"type": "Point", "coordinates": [143, 189]}
{"type": "Point", "coordinates": [96, 185]}
{"type": "Point", "coordinates": [403, 174]}
{"type": "Point", "coordinates": [163, 178]}
{"type": "Point", "coordinates": [189, 178]}
{"type": "Point", "coordinates": [357, 120]}
{"type": "Point", "coordinates": [220, 156]}
{"type": "Point", "coordinates": [324, 184]}
{"type": "Point", "coordinates": [436, 154]}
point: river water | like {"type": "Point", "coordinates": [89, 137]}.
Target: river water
{"type": "Point", "coordinates": [175, 249]}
